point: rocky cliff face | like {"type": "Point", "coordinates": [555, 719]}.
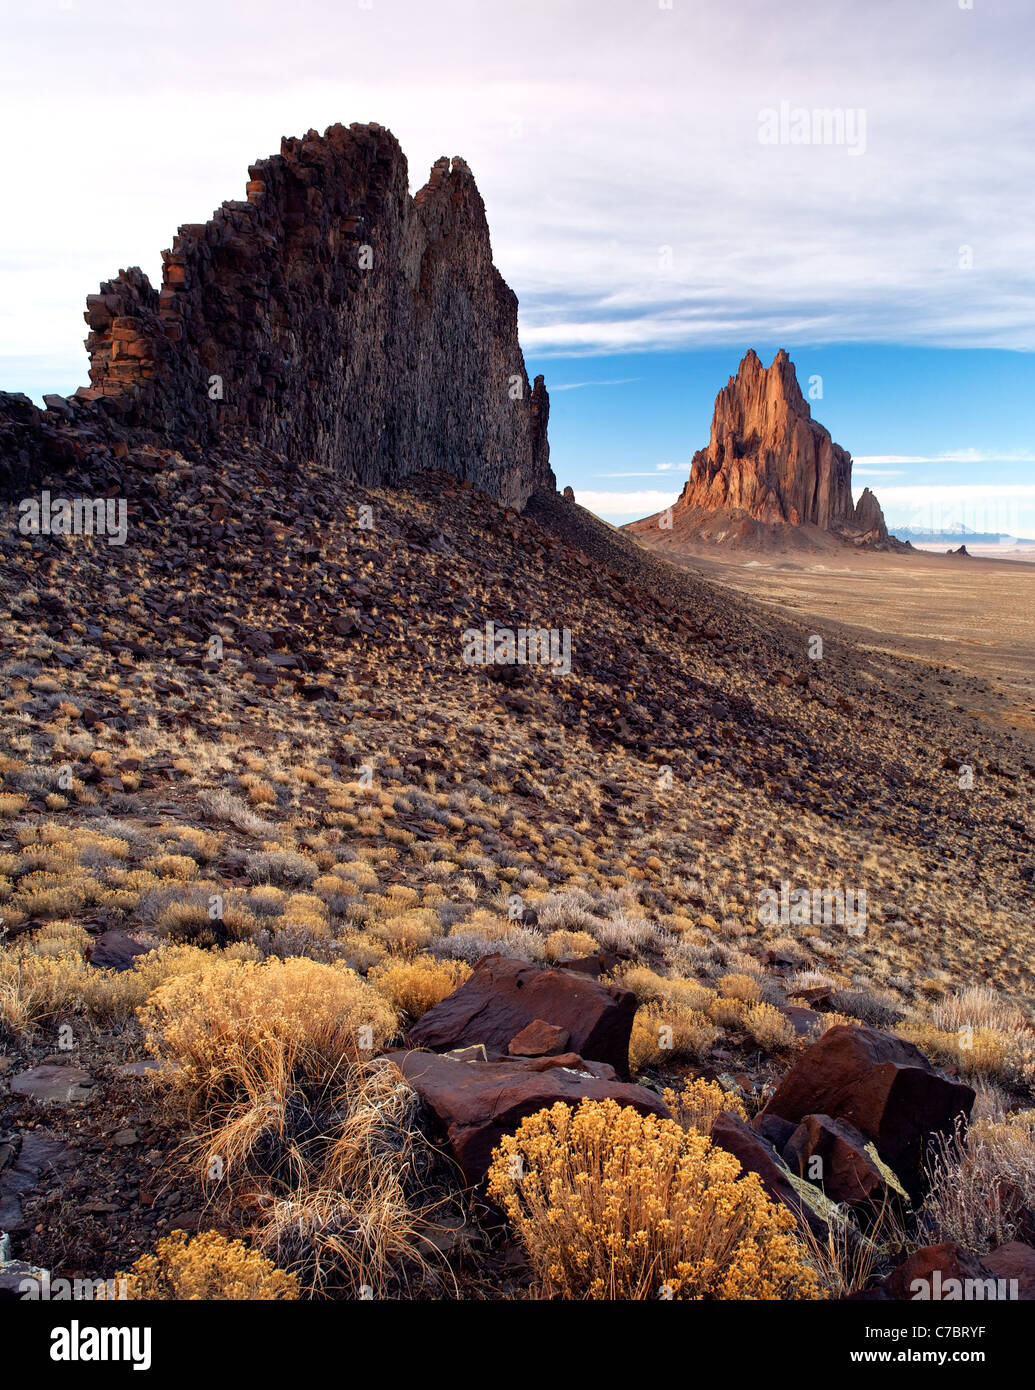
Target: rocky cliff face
{"type": "Point", "coordinates": [771, 476]}
{"type": "Point", "coordinates": [768, 457]}
{"type": "Point", "coordinates": [332, 316]}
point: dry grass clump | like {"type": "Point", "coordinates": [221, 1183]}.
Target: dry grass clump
{"type": "Point", "coordinates": [611, 1204]}
{"type": "Point", "coordinates": [979, 1034]}
{"type": "Point", "coordinates": [745, 988]}
{"type": "Point", "coordinates": [980, 1188]}
{"type": "Point", "coordinates": [406, 932]}
{"type": "Point", "coordinates": [665, 1032]}
{"type": "Point", "coordinates": [414, 986]}
{"type": "Point", "coordinates": [700, 1103]}
{"type": "Point", "coordinates": [206, 1267]}
{"type": "Point", "coordinates": [559, 945]}
{"type": "Point", "coordinates": [630, 935]}
{"type": "Point", "coordinates": [224, 806]}
{"type": "Point", "coordinates": [343, 1212]}
{"type": "Point", "coordinates": [283, 866]}
{"type": "Point", "coordinates": [240, 1029]}
{"type": "Point", "coordinates": [171, 866]}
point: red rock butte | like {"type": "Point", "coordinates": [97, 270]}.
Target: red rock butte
{"type": "Point", "coordinates": [771, 475]}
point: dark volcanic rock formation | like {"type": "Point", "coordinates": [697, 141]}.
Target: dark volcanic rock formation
{"type": "Point", "coordinates": [771, 475]}
{"type": "Point", "coordinates": [331, 316]}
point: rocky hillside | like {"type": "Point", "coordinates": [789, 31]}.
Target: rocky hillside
{"type": "Point", "coordinates": [328, 316]}
{"type": "Point", "coordinates": [770, 477]}
{"type": "Point", "coordinates": [248, 774]}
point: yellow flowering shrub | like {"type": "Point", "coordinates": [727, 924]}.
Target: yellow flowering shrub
{"type": "Point", "coordinates": [416, 985]}
{"type": "Point", "coordinates": [204, 1268]}
{"type": "Point", "coordinates": [664, 1032]}
{"type": "Point", "coordinates": [611, 1204]}
{"type": "Point", "coordinates": [700, 1103]}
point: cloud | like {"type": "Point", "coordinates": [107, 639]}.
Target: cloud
{"type": "Point", "coordinates": [657, 221]}
{"type": "Point", "coordinates": [952, 456]}
{"type": "Point", "coordinates": [658, 468]}
{"type": "Point", "coordinates": [624, 506]}
{"type": "Point", "coordinates": [578, 385]}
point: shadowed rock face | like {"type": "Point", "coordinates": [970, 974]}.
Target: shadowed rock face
{"type": "Point", "coordinates": [332, 316]}
{"type": "Point", "coordinates": [768, 457]}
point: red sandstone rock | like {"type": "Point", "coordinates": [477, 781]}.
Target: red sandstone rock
{"type": "Point", "coordinates": [884, 1086]}
{"type": "Point", "coordinates": [931, 1273]}
{"type": "Point", "coordinates": [503, 996]}
{"type": "Point", "coordinates": [756, 1155]}
{"type": "Point", "coordinates": [477, 1102]}
{"type": "Point", "coordinates": [832, 1154]}
{"type": "Point", "coordinates": [539, 1039]}
{"type": "Point", "coordinates": [1014, 1260]}
{"type": "Point", "coordinates": [771, 475]}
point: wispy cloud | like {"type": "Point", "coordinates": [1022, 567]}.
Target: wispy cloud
{"type": "Point", "coordinates": [658, 468]}
{"type": "Point", "coordinates": [578, 385]}
{"type": "Point", "coordinates": [951, 456]}
{"type": "Point", "coordinates": [659, 221]}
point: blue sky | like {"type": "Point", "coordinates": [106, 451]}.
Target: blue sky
{"type": "Point", "coordinates": [942, 436]}
{"type": "Point", "coordinates": [652, 195]}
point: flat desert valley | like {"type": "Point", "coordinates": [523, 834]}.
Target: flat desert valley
{"type": "Point", "coordinates": [964, 620]}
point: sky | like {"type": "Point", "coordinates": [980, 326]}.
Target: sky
{"type": "Point", "coordinates": [663, 187]}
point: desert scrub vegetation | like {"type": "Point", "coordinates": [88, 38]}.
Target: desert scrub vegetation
{"type": "Point", "coordinates": [611, 1204]}
{"type": "Point", "coordinates": [700, 1103]}
{"type": "Point", "coordinates": [242, 1029]}
{"type": "Point", "coordinates": [346, 1211]}
{"type": "Point", "coordinates": [205, 1267]}
{"type": "Point", "coordinates": [46, 976]}
{"type": "Point", "coordinates": [667, 1032]}
{"type": "Point", "coordinates": [980, 1035]}
{"type": "Point", "coordinates": [980, 1188]}
{"type": "Point", "coordinates": [286, 1104]}
{"type": "Point", "coordinates": [414, 986]}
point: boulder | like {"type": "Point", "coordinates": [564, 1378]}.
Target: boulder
{"type": "Point", "coordinates": [934, 1272]}
{"type": "Point", "coordinates": [116, 950]}
{"type": "Point", "coordinates": [757, 1155]}
{"type": "Point", "coordinates": [503, 996]}
{"type": "Point", "coordinates": [833, 1154]}
{"type": "Point", "coordinates": [882, 1085]}
{"type": "Point", "coordinates": [539, 1039]}
{"type": "Point", "coordinates": [1014, 1260]}
{"type": "Point", "coordinates": [477, 1102]}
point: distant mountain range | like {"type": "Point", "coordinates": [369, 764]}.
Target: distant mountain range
{"type": "Point", "coordinates": [958, 533]}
